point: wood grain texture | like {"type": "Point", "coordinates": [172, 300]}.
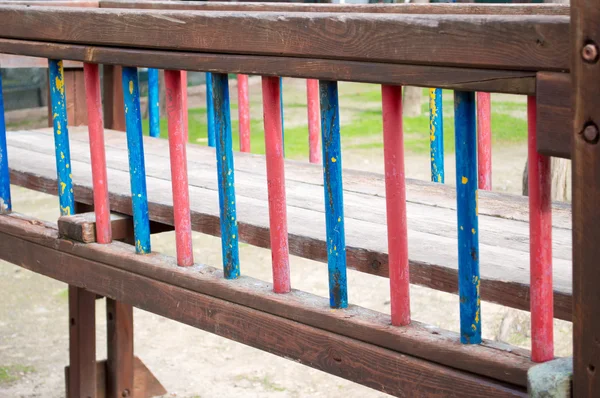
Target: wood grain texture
{"type": "Point", "coordinates": [263, 327]}
{"type": "Point", "coordinates": [554, 114]}
{"type": "Point", "coordinates": [515, 82]}
{"type": "Point", "coordinates": [82, 227]}
{"type": "Point", "coordinates": [525, 42]}
{"type": "Point", "coordinates": [586, 191]}
{"type": "Point", "coordinates": [119, 343]}
{"type": "Point", "coordinates": [82, 342]}
{"type": "Point", "coordinates": [432, 220]}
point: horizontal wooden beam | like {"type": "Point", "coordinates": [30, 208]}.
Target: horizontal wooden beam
{"type": "Point", "coordinates": [490, 359]}
{"type": "Point", "coordinates": [440, 8]}
{"type": "Point", "coordinates": [554, 114]}
{"type": "Point", "coordinates": [82, 227]}
{"type": "Point", "coordinates": [488, 80]}
{"type": "Point", "coordinates": [524, 42]}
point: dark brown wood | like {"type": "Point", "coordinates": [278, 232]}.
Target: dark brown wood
{"type": "Point", "coordinates": [554, 114]}
{"type": "Point", "coordinates": [82, 342]}
{"type": "Point", "coordinates": [502, 362]}
{"type": "Point", "coordinates": [586, 192]}
{"type": "Point", "coordinates": [53, 3]}
{"type": "Point", "coordinates": [471, 9]}
{"type": "Point", "coordinates": [502, 42]}
{"type": "Point", "coordinates": [119, 339]}
{"type": "Point", "coordinates": [75, 94]}
{"type": "Point", "coordinates": [514, 82]}
{"type": "Point", "coordinates": [395, 373]}
{"type": "Point", "coordinates": [82, 227]}
{"type": "Point", "coordinates": [145, 384]}
{"type": "Point", "coordinates": [114, 108]}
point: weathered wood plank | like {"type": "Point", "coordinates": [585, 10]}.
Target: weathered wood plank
{"type": "Point", "coordinates": [515, 82]}
{"type": "Point", "coordinates": [119, 343]}
{"type": "Point", "coordinates": [82, 227]}
{"type": "Point", "coordinates": [503, 42]}
{"type": "Point", "coordinates": [554, 114]}
{"type": "Point", "coordinates": [491, 359]}
{"type": "Point", "coordinates": [82, 341]}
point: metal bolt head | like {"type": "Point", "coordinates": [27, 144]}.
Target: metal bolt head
{"type": "Point", "coordinates": [589, 53]}
{"type": "Point", "coordinates": [590, 133]}
{"type": "Point", "coordinates": [125, 393]}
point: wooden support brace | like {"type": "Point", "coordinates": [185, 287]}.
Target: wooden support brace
{"type": "Point", "coordinates": [82, 343]}
{"type": "Point", "coordinates": [82, 227]}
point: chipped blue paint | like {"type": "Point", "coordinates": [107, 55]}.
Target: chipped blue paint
{"type": "Point", "coordinates": [5, 201]}
{"type": "Point", "coordinates": [282, 119]}
{"type": "Point", "coordinates": [210, 110]}
{"type": "Point", "coordinates": [468, 231]}
{"type": "Point", "coordinates": [436, 134]}
{"type": "Point", "coordinates": [153, 102]}
{"type": "Point", "coordinates": [61, 137]}
{"type": "Point", "coordinates": [137, 169]}
{"type": "Point", "coordinates": [334, 203]}
{"type": "Point", "coordinates": [224, 150]}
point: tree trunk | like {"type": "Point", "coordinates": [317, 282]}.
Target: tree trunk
{"type": "Point", "coordinates": [412, 101]}
{"type": "Point", "coordinates": [560, 172]}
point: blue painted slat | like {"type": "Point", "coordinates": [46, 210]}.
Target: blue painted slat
{"type": "Point", "coordinates": [334, 204]}
{"type": "Point", "coordinates": [468, 231]}
{"type": "Point", "coordinates": [224, 150]}
{"type": "Point", "coordinates": [436, 134]}
{"type": "Point", "coordinates": [5, 201]}
{"type": "Point", "coordinates": [61, 137]}
{"type": "Point", "coordinates": [153, 102]}
{"type": "Point", "coordinates": [282, 118]}
{"type": "Point", "coordinates": [137, 169]}
{"type": "Point", "coordinates": [210, 110]}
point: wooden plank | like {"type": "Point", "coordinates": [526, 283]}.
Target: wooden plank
{"type": "Point", "coordinates": [554, 114]}
{"type": "Point", "coordinates": [503, 42]}
{"type": "Point", "coordinates": [471, 9]}
{"type": "Point", "coordinates": [53, 3]}
{"type": "Point", "coordinates": [114, 108]}
{"type": "Point", "coordinates": [515, 82]}
{"type": "Point", "coordinates": [119, 341]}
{"type": "Point", "coordinates": [9, 61]}
{"type": "Point", "coordinates": [82, 227]}
{"type": "Point", "coordinates": [585, 37]}
{"type": "Point", "coordinates": [82, 342]}
{"type": "Point", "coordinates": [337, 354]}
{"type": "Point", "coordinates": [433, 243]}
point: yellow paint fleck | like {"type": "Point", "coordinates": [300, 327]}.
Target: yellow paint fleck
{"type": "Point", "coordinates": [473, 231]}
{"type": "Point", "coordinates": [62, 155]}
{"type": "Point", "coordinates": [131, 87]}
{"type": "Point", "coordinates": [233, 236]}
{"type": "Point", "coordinates": [464, 180]}
{"type": "Point", "coordinates": [55, 116]}
{"type": "Point", "coordinates": [65, 211]}
{"type": "Point", "coordinates": [339, 219]}
{"type": "Point", "coordinates": [59, 84]}
{"type": "Point", "coordinates": [223, 157]}
{"type": "Point", "coordinates": [68, 165]}
{"type": "Point", "coordinates": [62, 187]}
{"type": "Point", "coordinates": [333, 159]}
{"type": "Point", "coordinates": [139, 247]}
{"type": "Point", "coordinates": [473, 327]}
{"type": "Point", "coordinates": [70, 176]}
{"type": "Point", "coordinates": [58, 132]}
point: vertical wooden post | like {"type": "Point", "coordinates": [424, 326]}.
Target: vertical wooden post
{"type": "Point", "coordinates": [395, 192]}
{"type": "Point", "coordinates": [226, 181]}
{"type": "Point", "coordinates": [179, 176]}
{"type": "Point", "coordinates": [210, 110]}
{"type": "Point", "coordinates": [312, 102]}
{"type": "Point", "coordinates": [5, 201]}
{"type": "Point", "coordinates": [585, 69]}
{"type": "Point", "coordinates": [540, 238]}
{"type": "Point", "coordinates": [468, 230]}
{"type": "Point", "coordinates": [484, 140]}
{"type": "Point", "coordinates": [82, 343]}
{"type": "Point", "coordinates": [154, 102]}
{"type": "Point", "coordinates": [114, 109]}
{"type": "Point", "coordinates": [334, 194]}
{"type": "Point", "coordinates": [436, 134]}
{"type": "Point", "coordinates": [119, 339]}
{"type": "Point", "coordinates": [276, 185]}
{"type": "Point", "coordinates": [243, 112]}
{"type": "Point", "coordinates": [75, 91]}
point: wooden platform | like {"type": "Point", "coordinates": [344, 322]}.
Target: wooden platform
{"type": "Point", "coordinates": [504, 240]}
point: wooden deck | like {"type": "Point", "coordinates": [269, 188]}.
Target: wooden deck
{"type": "Point", "coordinates": [504, 240]}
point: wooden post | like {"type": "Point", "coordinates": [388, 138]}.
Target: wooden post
{"type": "Point", "coordinates": [585, 70]}
{"type": "Point", "coordinates": [119, 339]}
{"type": "Point", "coordinates": [82, 343]}
{"type": "Point", "coordinates": [114, 109]}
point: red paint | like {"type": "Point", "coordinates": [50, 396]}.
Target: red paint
{"type": "Point", "coordinates": [395, 191]}
{"type": "Point", "coordinates": [184, 100]}
{"type": "Point", "coordinates": [484, 140]}
{"type": "Point", "coordinates": [179, 177]}
{"type": "Point", "coordinates": [97, 152]}
{"type": "Point", "coordinates": [540, 231]}
{"type": "Point", "coordinates": [276, 184]}
{"type": "Point", "coordinates": [312, 99]}
{"type": "Point", "coordinates": [244, 113]}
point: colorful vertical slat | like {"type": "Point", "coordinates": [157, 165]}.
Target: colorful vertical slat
{"type": "Point", "coordinates": [210, 110]}
{"type": "Point", "coordinates": [61, 137]}
{"type": "Point", "coordinates": [395, 190]}
{"type": "Point", "coordinates": [484, 140]}
{"type": "Point", "coordinates": [276, 185]}
{"type": "Point", "coordinates": [468, 230]}
{"type": "Point", "coordinates": [154, 102]}
{"type": "Point", "coordinates": [282, 119]}
{"type": "Point", "coordinates": [137, 168]}
{"type": "Point", "coordinates": [179, 176]}
{"type": "Point", "coordinates": [5, 201]}
{"type": "Point", "coordinates": [184, 102]}
{"type": "Point", "coordinates": [93, 98]}
{"type": "Point", "coordinates": [540, 231]}
{"type": "Point", "coordinates": [436, 134]}
{"type": "Point", "coordinates": [243, 112]}
{"type": "Point", "coordinates": [312, 102]}
{"type": "Point", "coordinates": [334, 203]}
{"type": "Point", "coordinates": [224, 150]}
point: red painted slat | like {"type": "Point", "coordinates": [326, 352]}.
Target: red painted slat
{"type": "Point", "coordinates": [312, 100]}
{"type": "Point", "coordinates": [484, 140]}
{"type": "Point", "coordinates": [244, 113]}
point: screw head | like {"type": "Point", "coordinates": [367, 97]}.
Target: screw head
{"type": "Point", "coordinates": [589, 53]}
{"type": "Point", "coordinates": [590, 133]}
{"type": "Point", "coordinates": [125, 393]}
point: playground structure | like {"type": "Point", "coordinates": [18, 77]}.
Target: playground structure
{"type": "Point", "coordinates": [503, 242]}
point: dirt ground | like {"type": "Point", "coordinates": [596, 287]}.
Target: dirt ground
{"type": "Point", "coordinates": [193, 363]}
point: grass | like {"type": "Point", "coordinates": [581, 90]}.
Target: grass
{"type": "Point", "coordinates": [11, 373]}
{"type": "Point", "coordinates": [265, 382]}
